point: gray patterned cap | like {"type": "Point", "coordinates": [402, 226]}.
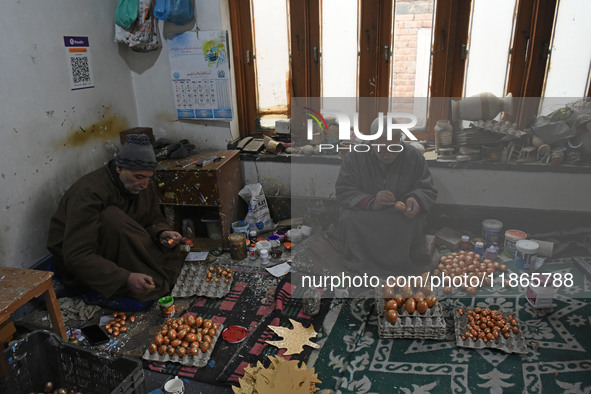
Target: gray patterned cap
{"type": "Point", "coordinates": [137, 154]}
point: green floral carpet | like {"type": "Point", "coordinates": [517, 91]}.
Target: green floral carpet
{"type": "Point", "coordinates": [355, 360]}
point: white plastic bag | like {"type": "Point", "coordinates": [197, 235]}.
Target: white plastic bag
{"type": "Point", "coordinates": [254, 195]}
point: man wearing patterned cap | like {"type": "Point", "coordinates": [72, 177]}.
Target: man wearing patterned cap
{"type": "Point", "coordinates": [108, 233]}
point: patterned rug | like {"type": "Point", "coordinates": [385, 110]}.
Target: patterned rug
{"type": "Point", "coordinates": [355, 360]}
{"type": "Point", "coordinates": [256, 300]}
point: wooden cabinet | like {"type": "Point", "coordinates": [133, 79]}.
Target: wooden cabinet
{"type": "Point", "coordinates": [216, 185]}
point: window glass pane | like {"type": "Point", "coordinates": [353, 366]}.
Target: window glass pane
{"type": "Point", "coordinates": [339, 48]}
{"type": "Point", "coordinates": [411, 57]}
{"type": "Point", "coordinates": [491, 29]}
{"type": "Point", "coordinates": [272, 58]}
{"type": "Point", "coordinates": [568, 73]}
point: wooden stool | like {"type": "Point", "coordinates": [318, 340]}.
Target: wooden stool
{"type": "Point", "coordinates": [19, 286]}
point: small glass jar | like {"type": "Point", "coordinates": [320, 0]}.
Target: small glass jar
{"type": "Point", "coordinates": [479, 248]}
{"type": "Point", "coordinates": [311, 302]}
{"type": "Point", "coordinates": [465, 243]}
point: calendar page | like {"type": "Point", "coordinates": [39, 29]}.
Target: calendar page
{"type": "Point", "coordinates": [200, 75]}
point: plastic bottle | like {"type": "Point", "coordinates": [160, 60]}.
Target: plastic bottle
{"type": "Point", "coordinates": [250, 219]}
{"type": "Point", "coordinates": [252, 252]}
{"type": "Point", "coordinates": [252, 235]}
{"type": "Point", "coordinates": [465, 243]}
{"type": "Point", "coordinates": [479, 248]}
{"type": "Point", "coordinates": [491, 253]}
{"type": "Point", "coordinates": [264, 256]}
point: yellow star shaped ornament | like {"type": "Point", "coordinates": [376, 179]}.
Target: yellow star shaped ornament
{"type": "Point", "coordinates": [294, 339]}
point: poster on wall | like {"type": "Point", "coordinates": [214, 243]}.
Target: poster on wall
{"type": "Point", "coordinates": [200, 75]}
{"type": "Point", "coordinates": [79, 68]}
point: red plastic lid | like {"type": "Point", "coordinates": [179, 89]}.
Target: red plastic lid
{"type": "Point", "coordinates": [234, 334]}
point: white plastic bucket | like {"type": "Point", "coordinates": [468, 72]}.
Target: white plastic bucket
{"type": "Point", "coordinates": [526, 253]}
{"type": "Point", "coordinates": [240, 226]}
{"type": "Point", "coordinates": [511, 238]}
{"type": "Point", "coordinates": [491, 230]}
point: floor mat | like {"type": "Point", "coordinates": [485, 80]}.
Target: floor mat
{"type": "Point", "coordinates": [355, 360]}
{"type": "Point", "coordinates": [256, 300]}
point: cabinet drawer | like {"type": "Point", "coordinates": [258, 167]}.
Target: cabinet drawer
{"type": "Point", "coordinates": [197, 188]}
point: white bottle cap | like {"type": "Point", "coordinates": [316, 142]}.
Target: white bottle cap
{"type": "Point", "coordinates": [465, 238]}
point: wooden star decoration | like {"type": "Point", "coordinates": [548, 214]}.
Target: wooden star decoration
{"type": "Point", "coordinates": [294, 339]}
{"type": "Point", "coordinates": [282, 376]}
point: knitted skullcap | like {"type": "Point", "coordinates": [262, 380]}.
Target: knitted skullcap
{"type": "Point", "coordinates": [137, 154]}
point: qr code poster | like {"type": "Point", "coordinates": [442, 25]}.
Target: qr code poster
{"type": "Point", "coordinates": [79, 64]}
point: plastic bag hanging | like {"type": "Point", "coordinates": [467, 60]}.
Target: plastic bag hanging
{"type": "Point", "coordinates": [176, 11]}
{"type": "Point", "coordinates": [143, 36]}
{"type": "Point", "coordinates": [126, 13]}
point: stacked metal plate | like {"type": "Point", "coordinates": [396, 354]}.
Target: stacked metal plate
{"type": "Point", "coordinates": [516, 343]}
{"type": "Point", "coordinates": [199, 360]}
{"type": "Point", "coordinates": [191, 282]}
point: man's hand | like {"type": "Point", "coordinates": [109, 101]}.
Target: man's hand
{"type": "Point", "coordinates": [170, 239]}
{"type": "Point", "coordinates": [384, 198]}
{"type": "Point", "coordinates": [140, 283]}
{"type": "Point", "coordinates": [412, 207]}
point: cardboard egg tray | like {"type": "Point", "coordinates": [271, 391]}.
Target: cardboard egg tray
{"type": "Point", "coordinates": [412, 327]}
{"type": "Point", "coordinates": [499, 127]}
{"type": "Point", "coordinates": [191, 282]}
{"type": "Point", "coordinates": [514, 344]}
{"type": "Point", "coordinates": [198, 361]}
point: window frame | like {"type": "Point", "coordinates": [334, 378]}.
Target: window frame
{"type": "Point", "coordinates": [527, 65]}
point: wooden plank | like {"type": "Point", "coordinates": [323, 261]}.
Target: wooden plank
{"type": "Point", "coordinates": [53, 309]}
{"type": "Point", "coordinates": [447, 76]}
{"type": "Point", "coordinates": [304, 17]}
{"type": "Point", "coordinates": [529, 58]}
{"type": "Point", "coordinates": [374, 68]}
{"type": "Point", "coordinates": [19, 286]}
{"type": "Point", "coordinates": [243, 56]}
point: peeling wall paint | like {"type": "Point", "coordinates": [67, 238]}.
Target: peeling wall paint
{"type": "Point", "coordinates": [51, 135]}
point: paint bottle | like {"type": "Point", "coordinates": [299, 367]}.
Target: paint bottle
{"type": "Point", "coordinates": [479, 248]}
{"type": "Point", "coordinates": [465, 242]}
{"type": "Point", "coordinates": [264, 256]}
{"type": "Point", "coordinates": [491, 253]}
{"type": "Point", "coordinates": [252, 236]}
{"type": "Point", "coordinates": [252, 252]}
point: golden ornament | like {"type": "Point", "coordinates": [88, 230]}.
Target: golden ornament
{"type": "Point", "coordinates": [282, 376]}
{"type": "Point", "coordinates": [294, 339]}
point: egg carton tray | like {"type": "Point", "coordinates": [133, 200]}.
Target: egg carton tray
{"type": "Point", "coordinates": [516, 343]}
{"type": "Point", "coordinates": [191, 282]}
{"type": "Point", "coordinates": [504, 127]}
{"type": "Point", "coordinates": [412, 328]}
{"type": "Point", "coordinates": [198, 361]}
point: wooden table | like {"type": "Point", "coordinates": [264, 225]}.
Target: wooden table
{"type": "Point", "coordinates": [182, 184]}
{"type": "Point", "coordinates": [19, 286]}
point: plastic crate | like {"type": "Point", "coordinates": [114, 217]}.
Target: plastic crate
{"type": "Point", "coordinates": [43, 356]}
